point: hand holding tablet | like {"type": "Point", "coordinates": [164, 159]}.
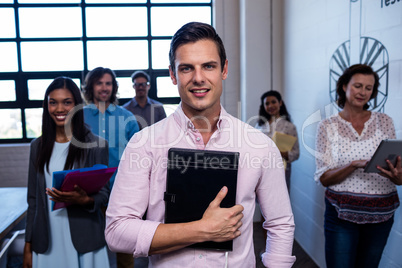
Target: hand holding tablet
{"type": "Point", "coordinates": [387, 150]}
{"type": "Point", "coordinates": [386, 161]}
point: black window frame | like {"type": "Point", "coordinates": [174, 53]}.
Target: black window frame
{"type": "Point", "coordinates": [21, 78]}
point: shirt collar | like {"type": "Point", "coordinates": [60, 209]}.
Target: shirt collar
{"type": "Point", "coordinates": [279, 118]}
{"type": "Point", "coordinates": [135, 103]}
{"type": "Point", "coordinates": [185, 123]}
{"type": "Point", "coordinates": [111, 108]}
{"type": "Point", "coordinates": [95, 111]}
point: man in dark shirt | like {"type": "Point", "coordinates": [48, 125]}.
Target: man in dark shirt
{"type": "Point", "coordinates": [146, 110]}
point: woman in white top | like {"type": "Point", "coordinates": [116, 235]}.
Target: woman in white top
{"type": "Point", "coordinates": [359, 206]}
{"type": "Point", "coordinates": [273, 116]}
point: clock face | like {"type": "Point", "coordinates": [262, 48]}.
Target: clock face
{"type": "Point", "coordinates": [372, 53]}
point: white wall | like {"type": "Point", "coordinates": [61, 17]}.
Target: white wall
{"type": "Point", "coordinates": [227, 13]}
{"type": "Point", "coordinates": [252, 38]}
{"type": "Point", "coordinates": [313, 31]}
{"type": "Point", "coordinates": [255, 54]}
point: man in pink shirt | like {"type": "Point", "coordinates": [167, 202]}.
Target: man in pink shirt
{"type": "Point", "coordinates": [198, 65]}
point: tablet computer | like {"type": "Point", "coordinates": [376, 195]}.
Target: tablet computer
{"type": "Point", "coordinates": [388, 149]}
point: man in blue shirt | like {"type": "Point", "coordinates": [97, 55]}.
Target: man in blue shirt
{"type": "Point", "coordinates": [111, 122]}
{"type": "Point", "coordinates": [146, 110]}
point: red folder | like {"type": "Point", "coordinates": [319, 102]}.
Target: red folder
{"type": "Point", "coordinates": [90, 181]}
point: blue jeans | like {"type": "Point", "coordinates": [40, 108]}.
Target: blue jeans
{"type": "Point", "coordinates": [351, 245]}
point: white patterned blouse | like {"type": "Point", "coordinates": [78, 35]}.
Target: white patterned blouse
{"type": "Point", "coordinates": [361, 197]}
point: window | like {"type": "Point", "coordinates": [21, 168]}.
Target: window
{"type": "Point", "coordinates": [44, 39]}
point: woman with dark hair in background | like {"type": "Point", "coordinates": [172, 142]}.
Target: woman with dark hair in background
{"type": "Point", "coordinates": [359, 206]}
{"type": "Point", "coordinates": [274, 117]}
{"type": "Point", "coordinates": [71, 237]}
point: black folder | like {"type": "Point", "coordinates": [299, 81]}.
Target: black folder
{"type": "Point", "coordinates": [194, 178]}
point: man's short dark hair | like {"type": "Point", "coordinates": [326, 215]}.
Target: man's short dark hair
{"type": "Point", "coordinates": [92, 77]}
{"type": "Point", "coordinates": [137, 74]}
{"type": "Point", "coordinates": [191, 33]}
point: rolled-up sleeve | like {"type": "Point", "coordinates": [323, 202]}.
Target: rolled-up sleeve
{"type": "Point", "coordinates": [275, 206]}
{"type": "Point", "coordinates": [126, 231]}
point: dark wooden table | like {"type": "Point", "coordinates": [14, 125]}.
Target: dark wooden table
{"type": "Point", "coordinates": [13, 207]}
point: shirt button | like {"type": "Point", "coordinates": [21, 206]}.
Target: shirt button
{"type": "Point", "coordinates": [103, 131]}
{"type": "Point", "coordinates": [200, 256]}
{"type": "Point", "coordinates": [198, 139]}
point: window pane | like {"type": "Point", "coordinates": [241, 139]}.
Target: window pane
{"type": "Point", "coordinates": [6, 1]}
{"type": "Point", "coordinates": [170, 108]}
{"type": "Point", "coordinates": [8, 56]}
{"type": "Point", "coordinates": [160, 54]}
{"type": "Point", "coordinates": [118, 55]}
{"type": "Point", "coordinates": [48, 1]}
{"type": "Point", "coordinates": [37, 87]}
{"type": "Point", "coordinates": [115, 1]}
{"type": "Point", "coordinates": [166, 88]}
{"type": "Point", "coordinates": [33, 118]}
{"type": "Point", "coordinates": [50, 22]}
{"type": "Point", "coordinates": [126, 89]}
{"type": "Point", "coordinates": [7, 22]}
{"type": "Point", "coordinates": [10, 125]}
{"type": "Point", "coordinates": [116, 21]}
{"type": "Point", "coordinates": [178, 16]}
{"type": "Point", "coordinates": [52, 56]}
{"type": "Point", "coordinates": [7, 90]}
{"type": "Point", "coordinates": [180, 1]}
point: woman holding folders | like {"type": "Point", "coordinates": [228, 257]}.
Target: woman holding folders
{"type": "Point", "coordinates": [73, 236]}
{"type": "Point", "coordinates": [359, 206]}
{"type": "Point", "coordinates": [274, 117]}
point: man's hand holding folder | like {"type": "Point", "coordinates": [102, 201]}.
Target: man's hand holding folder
{"type": "Point", "coordinates": [217, 225]}
{"type": "Point", "coordinates": [222, 224]}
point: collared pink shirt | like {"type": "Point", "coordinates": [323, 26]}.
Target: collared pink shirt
{"type": "Point", "coordinates": [141, 182]}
